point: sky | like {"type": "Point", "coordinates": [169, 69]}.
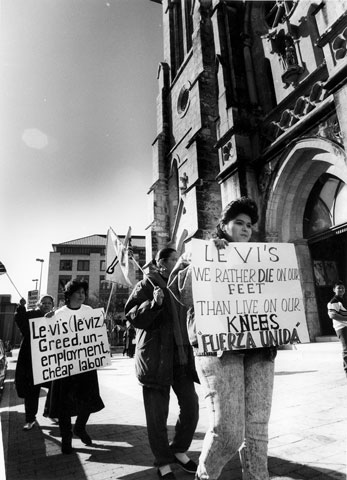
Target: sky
{"type": "Point", "coordinates": [78, 89]}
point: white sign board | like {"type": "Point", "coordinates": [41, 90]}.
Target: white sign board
{"type": "Point", "coordinates": [33, 298]}
{"type": "Point", "coordinates": [68, 343]}
{"type": "Point", "coordinates": [247, 296]}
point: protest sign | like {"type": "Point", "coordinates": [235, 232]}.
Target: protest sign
{"type": "Point", "coordinates": [70, 342]}
{"type": "Point", "coordinates": [33, 298]}
{"type": "Point", "coordinates": [247, 295]}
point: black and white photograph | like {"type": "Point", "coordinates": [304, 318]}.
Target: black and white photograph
{"type": "Point", "coordinates": [173, 250]}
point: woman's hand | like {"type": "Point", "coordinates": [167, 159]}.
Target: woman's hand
{"type": "Point", "coordinates": [49, 314]}
{"type": "Point", "coordinates": [186, 258]}
{"type": "Point", "coordinates": [158, 295]}
{"type": "Point", "coordinates": [183, 262]}
{"type": "Point", "coordinates": [220, 243]}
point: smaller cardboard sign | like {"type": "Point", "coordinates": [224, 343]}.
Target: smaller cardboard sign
{"type": "Point", "coordinates": [33, 298]}
{"type": "Point", "coordinates": [68, 343]}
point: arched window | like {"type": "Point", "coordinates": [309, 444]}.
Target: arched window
{"type": "Point", "coordinates": [189, 23]}
{"type": "Point", "coordinates": [173, 188]}
{"type": "Point", "coordinates": [181, 30]}
{"type": "Point", "coordinates": [326, 206]}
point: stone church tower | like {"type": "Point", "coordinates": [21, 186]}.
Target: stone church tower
{"type": "Point", "coordinates": [185, 196]}
{"type": "Point", "coordinates": [252, 101]}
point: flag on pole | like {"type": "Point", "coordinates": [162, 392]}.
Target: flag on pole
{"type": "Point", "coordinates": [3, 271]}
{"type": "Point", "coordinates": [119, 267]}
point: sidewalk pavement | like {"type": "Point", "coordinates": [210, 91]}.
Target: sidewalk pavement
{"type": "Point", "coordinates": [307, 431]}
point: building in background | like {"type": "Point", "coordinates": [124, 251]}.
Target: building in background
{"type": "Point", "coordinates": [252, 98]}
{"type": "Point", "coordinates": [85, 258]}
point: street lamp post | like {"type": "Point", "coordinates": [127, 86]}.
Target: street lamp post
{"type": "Point", "coordinates": [41, 261]}
{"type": "Point", "coordinates": [35, 280]}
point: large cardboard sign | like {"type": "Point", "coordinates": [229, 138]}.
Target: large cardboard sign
{"type": "Point", "coordinates": [247, 296]}
{"type": "Point", "coordinates": [68, 343]}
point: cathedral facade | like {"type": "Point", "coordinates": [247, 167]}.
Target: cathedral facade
{"type": "Point", "coordinates": [251, 102]}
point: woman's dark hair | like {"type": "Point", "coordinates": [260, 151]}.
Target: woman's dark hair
{"type": "Point", "coordinates": [72, 286]}
{"type": "Point", "coordinates": [233, 209]}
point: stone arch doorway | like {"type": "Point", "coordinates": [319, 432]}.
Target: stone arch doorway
{"type": "Point", "coordinates": [311, 167]}
{"type": "Point", "coordinates": [325, 227]}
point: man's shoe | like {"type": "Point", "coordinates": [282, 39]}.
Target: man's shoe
{"type": "Point", "coordinates": [189, 467]}
{"type": "Point", "coordinates": [83, 435]}
{"type": "Point", "coordinates": [167, 476]}
{"type": "Point", "coordinates": [29, 425]}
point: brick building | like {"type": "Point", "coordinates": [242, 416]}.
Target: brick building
{"type": "Point", "coordinates": [251, 102]}
{"type": "Point", "coordinates": [85, 258]}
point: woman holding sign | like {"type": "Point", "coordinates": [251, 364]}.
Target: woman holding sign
{"type": "Point", "coordinates": [237, 384]}
{"type": "Point", "coordinates": [24, 372]}
{"type": "Point", "coordinates": [77, 395]}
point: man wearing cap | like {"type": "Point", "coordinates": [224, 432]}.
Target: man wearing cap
{"type": "Point", "coordinates": [24, 373]}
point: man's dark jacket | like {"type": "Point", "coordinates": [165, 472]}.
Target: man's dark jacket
{"type": "Point", "coordinates": [156, 356]}
{"type": "Point", "coordinates": [24, 371]}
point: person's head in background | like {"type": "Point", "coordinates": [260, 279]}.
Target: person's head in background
{"type": "Point", "coordinates": [75, 293]}
{"type": "Point", "coordinates": [46, 303]}
{"type": "Point", "coordinates": [339, 289]}
{"type": "Point", "coordinates": [237, 220]}
{"type": "Point", "coordinates": [165, 260]}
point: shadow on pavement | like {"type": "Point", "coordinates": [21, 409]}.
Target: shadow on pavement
{"type": "Point", "coordinates": [32, 456]}
{"type": "Point", "coordinates": [125, 446]}
{"type": "Point", "coordinates": [36, 455]}
{"type": "Point", "coordinates": [281, 468]}
{"type": "Point", "coordinates": [116, 443]}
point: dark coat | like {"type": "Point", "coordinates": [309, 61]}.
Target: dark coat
{"type": "Point", "coordinates": [75, 395]}
{"type": "Point", "coordinates": [129, 338]}
{"type": "Point", "coordinates": [155, 358]}
{"type": "Point", "coordinates": [24, 371]}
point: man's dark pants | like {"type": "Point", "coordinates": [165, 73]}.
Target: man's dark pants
{"type": "Point", "coordinates": [156, 402]}
{"type": "Point", "coordinates": [31, 403]}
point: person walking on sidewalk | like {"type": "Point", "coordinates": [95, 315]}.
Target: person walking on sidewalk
{"type": "Point", "coordinates": [129, 340]}
{"type": "Point", "coordinates": [338, 313]}
{"type": "Point", "coordinates": [24, 371]}
{"type": "Point", "coordinates": [237, 384]}
{"type": "Point", "coordinates": [77, 395]}
{"type": "Point", "coordinates": [164, 359]}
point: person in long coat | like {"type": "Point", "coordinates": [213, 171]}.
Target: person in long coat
{"type": "Point", "coordinates": [77, 395]}
{"type": "Point", "coordinates": [24, 381]}
{"type": "Point", "coordinates": [164, 360]}
{"type": "Point", "coordinates": [129, 340]}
